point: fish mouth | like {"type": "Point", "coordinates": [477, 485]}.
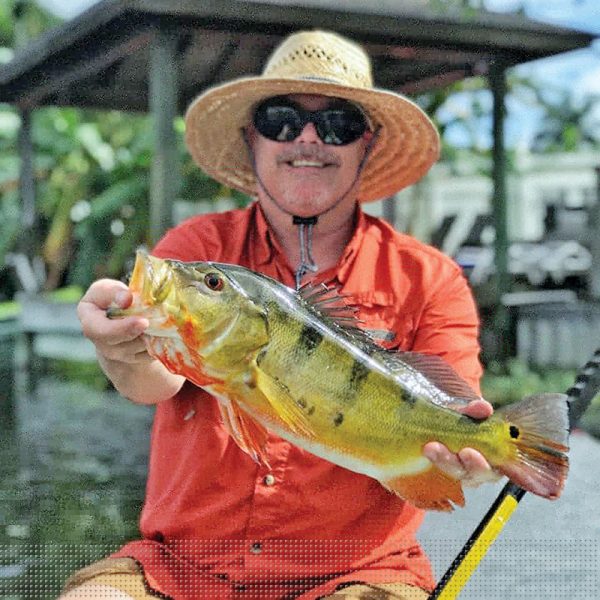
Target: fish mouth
{"type": "Point", "coordinates": [151, 283]}
{"type": "Point", "coordinates": [152, 279]}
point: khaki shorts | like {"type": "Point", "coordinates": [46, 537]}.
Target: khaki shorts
{"type": "Point", "coordinates": [123, 574]}
{"type": "Point", "coordinates": [126, 576]}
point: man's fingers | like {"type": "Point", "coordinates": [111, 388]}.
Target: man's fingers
{"type": "Point", "coordinates": [101, 330]}
{"type": "Point", "coordinates": [477, 468]}
{"type": "Point", "coordinates": [468, 465]}
{"type": "Point", "coordinates": [445, 460]}
{"type": "Point", "coordinates": [133, 351]}
{"type": "Point", "coordinates": [478, 409]}
{"type": "Point", "coordinates": [96, 326]}
{"type": "Point", "coordinates": [106, 292]}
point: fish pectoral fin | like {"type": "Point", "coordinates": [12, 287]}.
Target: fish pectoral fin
{"type": "Point", "coordinates": [249, 435]}
{"type": "Point", "coordinates": [431, 489]}
{"type": "Point", "coordinates": [286, 408]}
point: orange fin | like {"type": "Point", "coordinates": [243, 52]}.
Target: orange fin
{"type": "Point", "coordinates": [431, 489]}
{"type": "Point", "coordinates": [249, 435]}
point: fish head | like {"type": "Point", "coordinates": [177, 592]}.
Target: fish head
{"type": "Point", "coordinates": [198, 315]}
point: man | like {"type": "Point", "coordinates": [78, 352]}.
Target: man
{"type": "Point", "coordinates": [310, 139]}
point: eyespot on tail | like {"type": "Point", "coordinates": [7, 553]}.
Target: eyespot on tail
{"type": "Point", "coordinates": [539, 427]}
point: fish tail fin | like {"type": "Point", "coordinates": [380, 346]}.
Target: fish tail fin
{"type": "Point", "coordinates": [539, 428]}
{"type": "Point", "coordinates": [431, 489]}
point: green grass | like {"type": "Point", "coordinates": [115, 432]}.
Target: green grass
{"type": "Point", "coordinates": [9, 310]}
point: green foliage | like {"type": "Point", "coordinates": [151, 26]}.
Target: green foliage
{"type": "Point", "coordinates": [568, 124]}
{"type": "Point", "coordinates": [92, 178]}
{"type": "Point", "coordinates": [21, 21]}
{"type": "Point", "coordinates": [506, 384]}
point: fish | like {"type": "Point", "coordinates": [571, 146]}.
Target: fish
{"type": "Point", "coordinates": [297, 363]}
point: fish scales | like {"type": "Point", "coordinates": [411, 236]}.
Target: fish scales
{"type": "Point", "coordinates": [278, 360]}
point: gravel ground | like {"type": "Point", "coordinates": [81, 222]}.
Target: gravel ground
{"type": "Point", "coordinates": [548, 550]}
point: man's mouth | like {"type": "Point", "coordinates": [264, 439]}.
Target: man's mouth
{"type": "Point", "coordinates": [308, 163]}
{"type": "Point", "coordinates": [303, 158]}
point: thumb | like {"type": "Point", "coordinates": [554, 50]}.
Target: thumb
{"type": "Point", "coordinates": [478, 409]}
{"type": "Point", "coordinates": [123, 298]}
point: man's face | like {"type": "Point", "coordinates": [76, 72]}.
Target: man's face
{"type": "Point", "coordinates": [306, 176]}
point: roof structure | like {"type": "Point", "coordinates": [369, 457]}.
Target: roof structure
{"type": "Point", "coordinates": [102, 58]}
{"type": "Point", "coordinates": [157, 55]}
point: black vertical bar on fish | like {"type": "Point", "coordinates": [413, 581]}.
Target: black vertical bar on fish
{"type": "Point", "coordinates": [580, 394]}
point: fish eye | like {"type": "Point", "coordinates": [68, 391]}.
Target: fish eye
{"type": "Point", "coordinates": [213, 282]}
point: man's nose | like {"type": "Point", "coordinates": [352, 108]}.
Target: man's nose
{"type": "Point", "coordinates": [309, 135]}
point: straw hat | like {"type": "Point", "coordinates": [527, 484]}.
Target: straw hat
{"type": "Point", "coordinates": [313, 62]}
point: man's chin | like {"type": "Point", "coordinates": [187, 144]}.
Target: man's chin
{"type": "Point", "coordinates": [303, 203]}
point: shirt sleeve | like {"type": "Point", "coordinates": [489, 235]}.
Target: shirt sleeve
{"type": "Point", "coordinates": [184, 242]}
{"type": "Point", "coordinates": [449, 327]}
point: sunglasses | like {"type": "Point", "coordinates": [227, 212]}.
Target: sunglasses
{"type": "Point", "coordinates": [281, 120]}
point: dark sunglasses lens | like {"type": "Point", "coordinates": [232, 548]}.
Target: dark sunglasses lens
{"type": "Point", "coordinates": [340, 126]}
{"type": "Point", "coordinates": [278, 123]}
{"type": "Point", "coordinates": [282, 122]}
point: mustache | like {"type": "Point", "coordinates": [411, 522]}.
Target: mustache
{"type": "Point", "coordinates": [308, 152]}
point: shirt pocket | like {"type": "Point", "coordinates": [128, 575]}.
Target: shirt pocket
{"type": "Point", "coordinates": [384, 319]}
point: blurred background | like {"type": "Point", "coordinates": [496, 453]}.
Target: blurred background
{"type": "Point", "coordinates": [72, 452]}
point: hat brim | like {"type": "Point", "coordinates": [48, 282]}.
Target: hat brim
{"type": "Point", "coordinates": [406, 147]}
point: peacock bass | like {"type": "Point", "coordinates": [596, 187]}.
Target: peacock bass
{"type": "Point", "coordinates": [296, 363]}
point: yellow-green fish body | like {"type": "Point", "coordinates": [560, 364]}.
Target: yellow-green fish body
{"type": "Point", "coordinates": [295, 364]}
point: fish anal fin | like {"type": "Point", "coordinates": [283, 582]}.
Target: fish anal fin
{"type": "Point", "coordinates": [431, 489]}
{"type": "Point", "coordinates": [249, 435]}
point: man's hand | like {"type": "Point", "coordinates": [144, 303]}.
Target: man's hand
{"type": "Point", "coordinates": [120, 346]}
{"type": "Point", "coordinates": [117, 340]}
{"type": "Point", "coordinates": [468, 465]}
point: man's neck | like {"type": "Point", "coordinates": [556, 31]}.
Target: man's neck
{"type": "Point", "coordinates": [330, 236]}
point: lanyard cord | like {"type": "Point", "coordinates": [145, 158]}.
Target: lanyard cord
{"type": "Point", "coordinates": [307, 263]}
{"type": "Point", "coordinates": [306, 224]}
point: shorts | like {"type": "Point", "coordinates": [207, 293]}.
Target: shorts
{"type": "Point", "coordinates": [126, 576]}
{"type": "Point", "coordinates": [123, 574]}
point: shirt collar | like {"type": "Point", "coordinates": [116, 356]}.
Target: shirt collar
{"type": "Point", "coordinates": [267, 249]}
{"type": "Point", "coordinates": [265, 244]}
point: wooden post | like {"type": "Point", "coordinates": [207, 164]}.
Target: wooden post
{"type": "Point", "coordinates": [27, 187]}
{"type": "Point", "coordinates": [593, 228]}
{"type": "Point", "coordinates": [164, 92]}
{"type": "Point", "coordinates": [497, 78]}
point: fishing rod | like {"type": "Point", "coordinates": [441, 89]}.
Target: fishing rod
{"type": "Point", "coordinates": [579, 396]}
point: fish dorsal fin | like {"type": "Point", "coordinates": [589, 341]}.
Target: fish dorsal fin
{"type": "Point", "coordinates": [453, 391]}
{"type": "Point", "coordinates": [329, 302]}
{"type": "Point", "coordinates": [248, 434]}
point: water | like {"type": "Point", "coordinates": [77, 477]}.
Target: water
{"type": "Point", "coordinates": [73, 463]}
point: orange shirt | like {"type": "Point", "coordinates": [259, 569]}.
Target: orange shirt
{"type": "Point", "coordinates": [217, 525]}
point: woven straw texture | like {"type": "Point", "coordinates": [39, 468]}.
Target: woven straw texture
{"type": "Point", "coordinates": [313, 62]}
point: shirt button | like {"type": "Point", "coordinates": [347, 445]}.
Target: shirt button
{"type": "Point", "coordinates": [269, 479]}
{"type": "Point", "coordinates": [256, 548]}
